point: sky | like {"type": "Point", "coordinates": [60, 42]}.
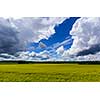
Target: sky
{"type": "Point", "coordinates": [50, 38]}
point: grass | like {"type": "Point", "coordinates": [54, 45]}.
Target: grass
{"type": "Point", "coordinates": [49, 73]}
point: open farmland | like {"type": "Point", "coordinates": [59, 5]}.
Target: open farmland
{"type": "Point", "coordinates": [49, 73]}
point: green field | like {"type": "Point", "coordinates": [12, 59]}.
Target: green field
{"type": "Point", "coordinates": [49, 73]}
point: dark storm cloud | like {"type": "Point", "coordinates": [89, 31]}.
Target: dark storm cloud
{"type": "Point", "coordinates": [92, 50]}
{"type": "Point", "coordinates": [9, 42]}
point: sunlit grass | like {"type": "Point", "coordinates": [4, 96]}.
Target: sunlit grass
{"type": "Point", "coordinates": [49, 73]}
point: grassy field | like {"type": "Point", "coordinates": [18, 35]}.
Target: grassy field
{"type": "Point", "coordinates": [49, 73]}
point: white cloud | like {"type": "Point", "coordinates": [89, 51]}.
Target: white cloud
{"type": "Point", "coordinates": [90, 57]}
{"type": "Point", "coordinates": [42, 45]}
{"type": "Point", "coordinates": [65, 42]}
{"type": "Point", "coordinates": [43, 55]}
{"type": "Point", "coordinates": [86, 43]}
{"type": "Point", "coordinates": [22, 55]}
{"type": "Point", "coordinates": [30, 56]}
{"type": "Point", "coordinates": [85, 32]}
{"type": "Point", "coordinates": [35, 29]}
{"type": "Point", "coordinates": [16, 33]}
{"type": "Point", "coordinates": [60, 50]}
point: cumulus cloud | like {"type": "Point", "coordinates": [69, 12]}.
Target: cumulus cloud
{"type": "Point", "coordinates": [86, 34]}
{"type": "Point", "coordinates": [35, 29]}
{"type": "Point", "coordinates": [86, 39]}
{"type": "Point", "coordinates": [15, 34]}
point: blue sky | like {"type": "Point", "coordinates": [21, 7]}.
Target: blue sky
{"type": "Point", "coordinates": [61, 33]}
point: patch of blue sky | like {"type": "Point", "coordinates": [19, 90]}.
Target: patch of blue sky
{"type": "Point", "coordinates": [61, 35]}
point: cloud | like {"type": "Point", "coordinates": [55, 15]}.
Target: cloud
{"type": "Point", "coordinates": [86, 40]}
{"type": "Point", "coordinates": [92, 50]}
{"type": "Point", "coordinates": [86, 33]}
{"type": "Point", "coordinates": [43, 55]}
{"type": "Point", "coordinates": [60, 50]}
{"type": "Point", "coordinates": [26, 55]}
{"type": "Point", "coordinates": [35, 29]}
{"type": "Point", "coordinates": [67, 41]}
{"type": "Point", "coordinates": [42, 45]}
{"type": "Point", "coordinates": [16, 34]}
{"type": "Point", "coordinates": [9, 41]}
{"type": "Point", "coordinates": [7, 56]}
{"type": "Point", "coordinates": [89, 57]}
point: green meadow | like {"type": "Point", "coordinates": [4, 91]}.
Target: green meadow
{"type": "Point", "coordinates": [49, 73]}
